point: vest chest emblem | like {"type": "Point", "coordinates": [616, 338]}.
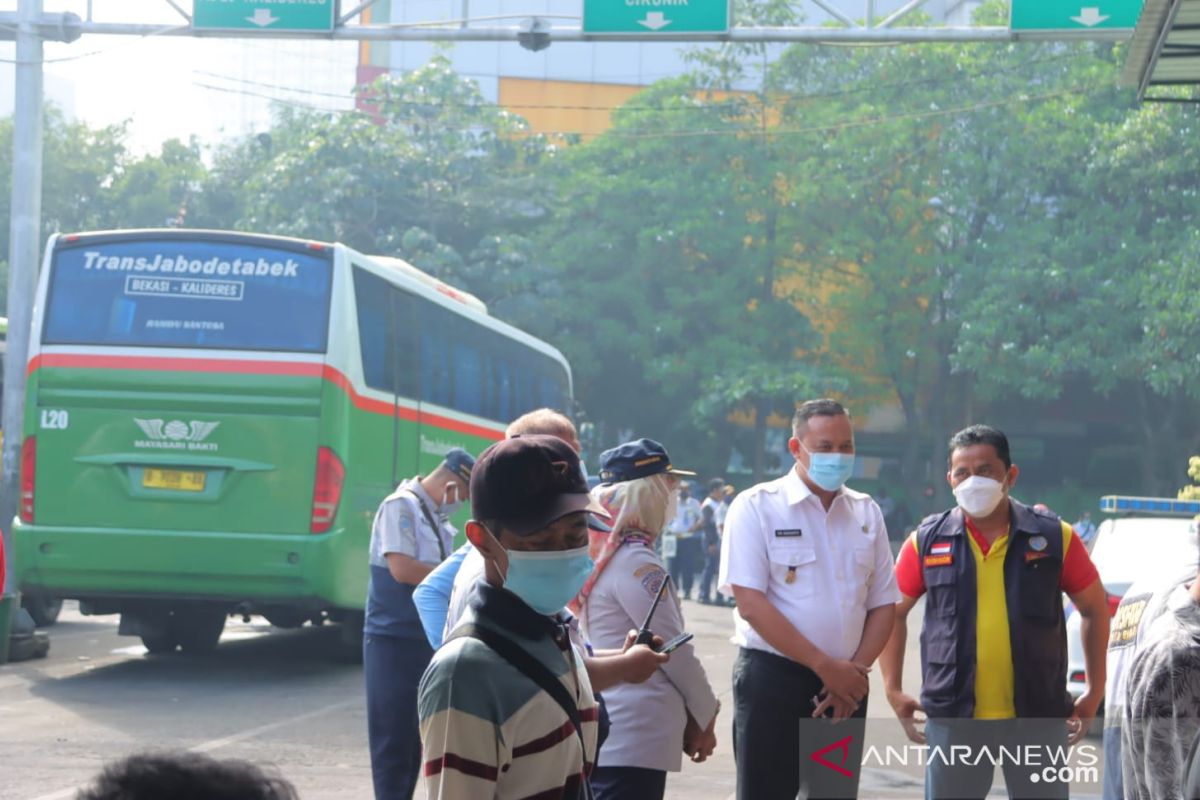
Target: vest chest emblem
{"type": "Point", "coordinates": [940, 555]}
{"type": "Point", "coordinates": [1038, 543]}
{"type": "Point", "coordinates": [1032, 555]}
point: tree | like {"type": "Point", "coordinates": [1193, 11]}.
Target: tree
{"type": "Point", "coordinates": [437, 175]}
{"type": "Point", "coordinates": [680, 314]}
{"type": "Point", "coordinates": [92, 181]}
{"type": "Point", "coordinates": [934, 218]}
{"type": "Point", "coordinates": [1192, 492]}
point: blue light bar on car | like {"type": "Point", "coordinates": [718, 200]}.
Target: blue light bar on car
{"type": "Point", "coordinates": [1120, 504]}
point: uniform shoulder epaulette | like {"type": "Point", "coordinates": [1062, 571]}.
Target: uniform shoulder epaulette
{"type": "Point", "coordinates": [400, 492]}
{"type": "Point", "coordinates": [934, 518]}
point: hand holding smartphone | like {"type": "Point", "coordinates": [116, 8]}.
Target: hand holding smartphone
{"type": "Point", "coordinates": [675, 643]}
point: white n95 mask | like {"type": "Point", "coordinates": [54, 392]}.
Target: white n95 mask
{"type": "Point", "coordinates": [979, 496]}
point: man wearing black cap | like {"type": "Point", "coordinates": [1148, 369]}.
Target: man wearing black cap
{"type": "Point", "coordinates": [506, 706]}
{"type": "Point", "coordinates": [412, 533]}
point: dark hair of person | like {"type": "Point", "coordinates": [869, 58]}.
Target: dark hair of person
{"type": "Point", "coordinates": [816, 408]}
{"type": "Point", "coordinates": [185, 776]}
{"type": "Point", "coordinates": [982, 434]}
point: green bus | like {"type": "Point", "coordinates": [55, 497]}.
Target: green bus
{"type": "Point", "coordinates": [212, 419]}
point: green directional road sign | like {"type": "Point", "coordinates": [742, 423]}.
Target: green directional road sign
{"type": "Point", "coordinates": [1074, 15]}
{"type": "Point", "coordinates": [655, 17]}
{"type": "Point", "coordinates": [267, 15]}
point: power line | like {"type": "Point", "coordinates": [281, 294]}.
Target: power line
{"type": "Point", "coordinates": [859, 123]}
{"type": "Point", "coordinates": [707, 107]}
{"type": "Point", "coordinates": [264, 85]}
{"type": "Point", "coordinates": [741, 132]}
{"type": "Point", "coordinates": [104, 51]}
{"type": "Point", "coordinates": [247, 93]}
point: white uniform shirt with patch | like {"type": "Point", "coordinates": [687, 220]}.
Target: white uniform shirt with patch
{"type": "Point", "coordinates": [647, 718]}
{"type": "Point", "coordinates": [401, 526]}
{"type": "Point", "coordinates": [822, 570]}
{"type": "Point", "coordinates": [686, 517]}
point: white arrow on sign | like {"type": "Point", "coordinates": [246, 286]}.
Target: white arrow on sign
{"type": "Point", "coordinates": [654, 20]}
{"type": "Point", "coordinates": [262, 17]}
{"type": "Point", "coordinates": [1090, 16]}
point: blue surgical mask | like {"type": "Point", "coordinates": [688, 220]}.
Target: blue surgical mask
{"type": "Point", "coordinates": [830, 471]}
{"type": "Point", "coordinates": [547, 580]}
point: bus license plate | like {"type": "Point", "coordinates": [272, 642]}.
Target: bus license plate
{"type": "Point", "coordinates": [175, 479]}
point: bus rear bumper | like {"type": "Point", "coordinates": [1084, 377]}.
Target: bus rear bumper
{"type": "Point", "coordinates": [86, 563]}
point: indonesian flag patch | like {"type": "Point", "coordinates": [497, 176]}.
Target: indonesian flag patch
{"type": "Point", "coordinates": [940, 549]}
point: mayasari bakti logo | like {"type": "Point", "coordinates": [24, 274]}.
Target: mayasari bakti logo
{"type": "Point", "coordinates": [176, 434]}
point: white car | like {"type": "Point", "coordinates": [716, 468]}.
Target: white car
{"type": "Point", "coordinates": [1135, 547]}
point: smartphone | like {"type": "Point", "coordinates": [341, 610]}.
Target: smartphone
{"type": "Point", "coordinates": [675, 643]}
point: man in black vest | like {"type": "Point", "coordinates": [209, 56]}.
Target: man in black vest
{"type": "Point", "coordinates": [993, 643]}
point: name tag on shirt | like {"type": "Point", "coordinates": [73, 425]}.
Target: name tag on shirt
{"type": "Point", "coordinates": [939, 561]}
{"type": "Point", "coordinates": [792, 533]}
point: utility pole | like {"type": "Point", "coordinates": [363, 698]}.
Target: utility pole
{"type": "Point", "coordinates": [23, 248]}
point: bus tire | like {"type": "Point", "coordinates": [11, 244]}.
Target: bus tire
{"type": "Point", "coordinates": [43, 608]}
{"type": "Point", "coordinates": [198, 629]}
{"type": "Point", "coordinates": [161, 643]}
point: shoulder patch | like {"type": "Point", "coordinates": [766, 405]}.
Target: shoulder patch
{"type": "Point", "coordinates": [652, 577]}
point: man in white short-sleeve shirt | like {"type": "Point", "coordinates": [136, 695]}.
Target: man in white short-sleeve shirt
{"type": "Point", "coordinates": [809, 564]}
{"type": "Point", "coordinates": [411, 534]}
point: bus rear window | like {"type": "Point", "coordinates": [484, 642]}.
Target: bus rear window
{"type": "Point", "coordinates": [219, 295]}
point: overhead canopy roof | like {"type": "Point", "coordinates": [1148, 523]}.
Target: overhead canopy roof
{"type": "Point", "coordinates": [1165, 50]}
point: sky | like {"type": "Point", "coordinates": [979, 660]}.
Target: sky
{"type": "Point", "coordinates": [177, 87]}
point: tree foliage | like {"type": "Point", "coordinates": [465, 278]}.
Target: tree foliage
{"type": "Point", "coordinates": [958, 232]}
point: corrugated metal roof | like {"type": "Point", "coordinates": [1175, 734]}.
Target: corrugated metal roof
{"type": "Point", "coordinates": [1165, 50]}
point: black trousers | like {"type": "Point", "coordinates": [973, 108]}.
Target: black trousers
{"type": "Point", "coordinates": [628, 783]}
{"type": "Point", "coordinates": [777, 745]}
{"type": "Point", "coordinates": [392, 668]}
{"type": "Point", "coordinates": [684, 565]}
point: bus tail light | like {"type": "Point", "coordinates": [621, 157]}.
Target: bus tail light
{"type": "Point", "coordinates": [327, 489]}
{"type": "Point", "coordinates": [28, 466]}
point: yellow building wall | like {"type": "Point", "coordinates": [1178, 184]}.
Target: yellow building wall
{"type": "Point", "coordinates": [560, 108]}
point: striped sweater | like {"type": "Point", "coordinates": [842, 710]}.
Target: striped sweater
{"type": "Point", "coordinates": [487, 731]}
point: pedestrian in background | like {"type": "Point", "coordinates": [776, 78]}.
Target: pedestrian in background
{"type": "Point", "coordinates": [1086, 528]}
{"type": "Point", "coordinates": [674, 711]}
{"type": "Point", "coordinates": [683, 527]}
{"type": "Point", "coordinates": [711, 541]}
{"type": "Point", "coordinates": [993, 641]}
{"type": "Point", "coordinates": [808, 562]}
{"type": "Point", "coordinates": [716, 500]}
{"type": "Point", "coordinates": [411, 534]}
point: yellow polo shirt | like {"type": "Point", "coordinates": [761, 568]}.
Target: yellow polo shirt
{"type": "Point", "coordinates": [993, 644]}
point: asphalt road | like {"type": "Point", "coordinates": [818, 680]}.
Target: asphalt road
{"type": "Point", "coordinates": [279, 699]}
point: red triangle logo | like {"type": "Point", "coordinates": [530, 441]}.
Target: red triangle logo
{"type": "Point", "coordinates": [842, 747]}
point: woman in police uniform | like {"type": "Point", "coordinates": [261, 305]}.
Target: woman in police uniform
{"type": "Point", "coordinates": [674, 711]}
